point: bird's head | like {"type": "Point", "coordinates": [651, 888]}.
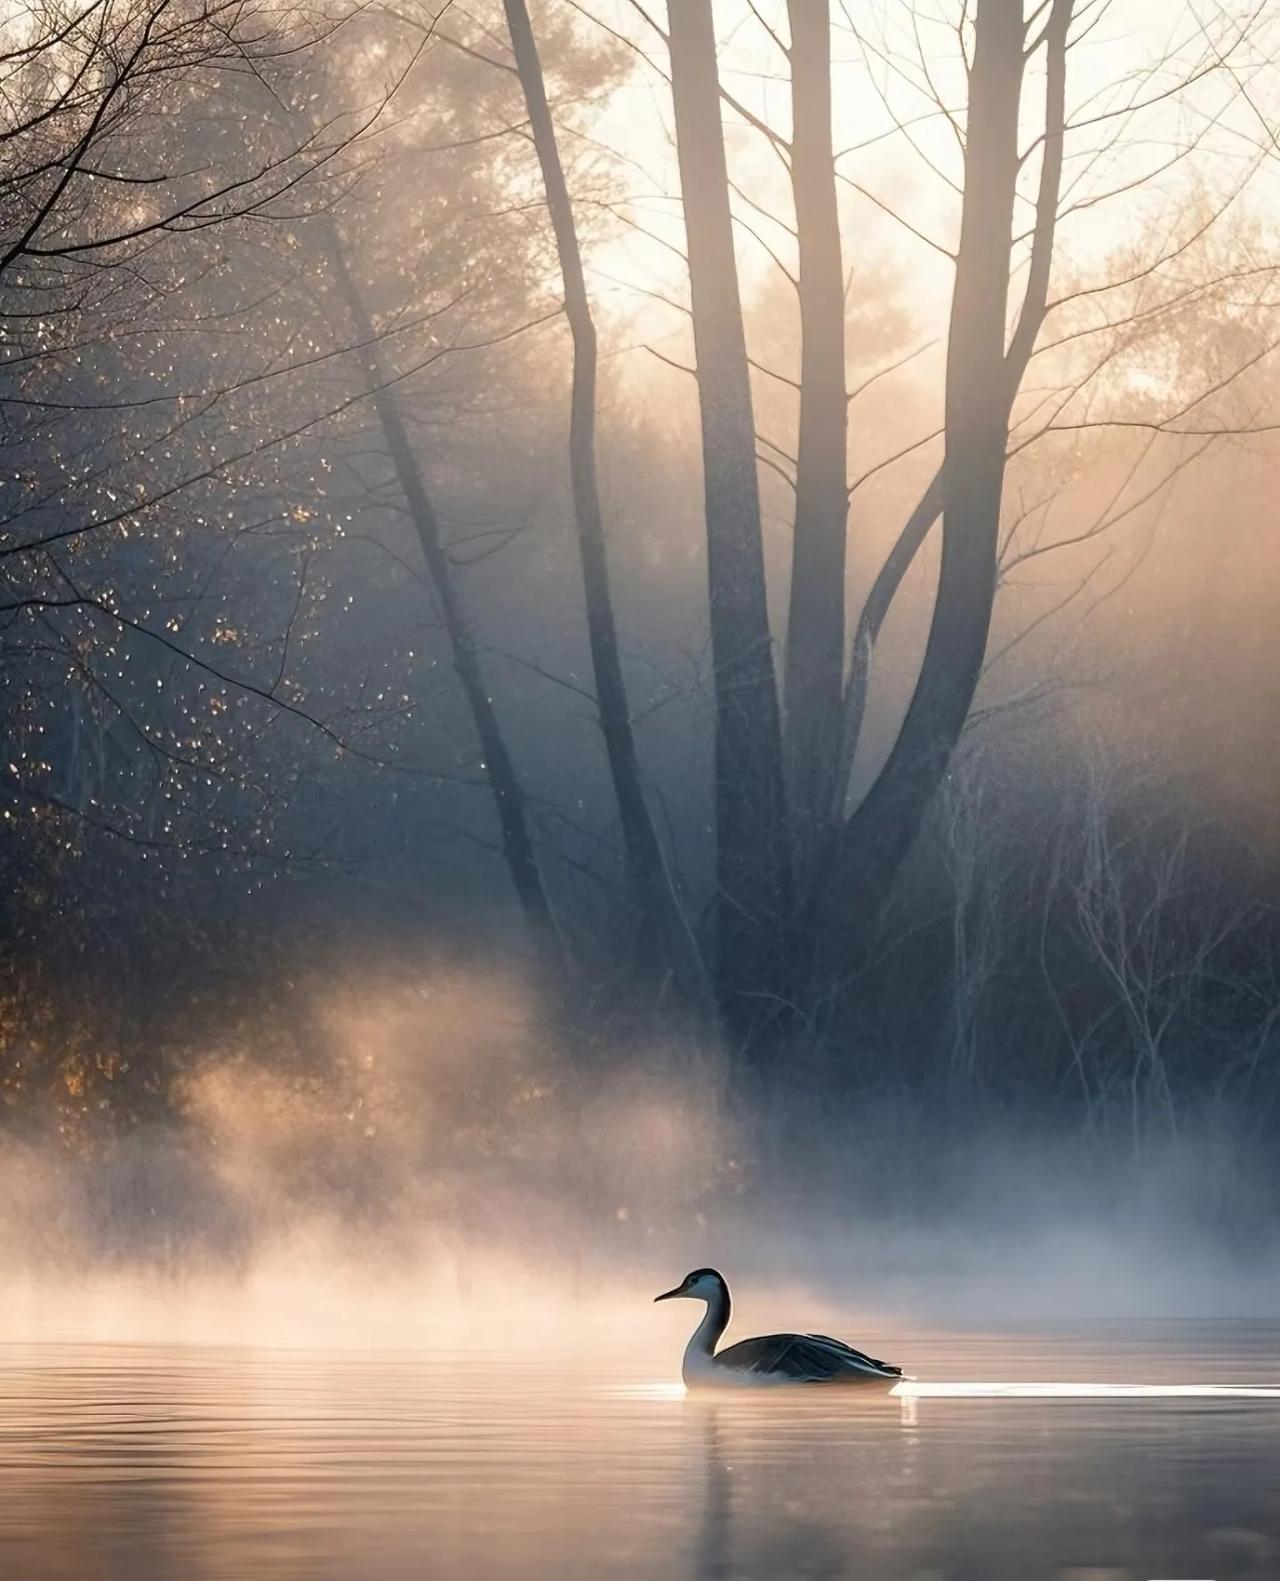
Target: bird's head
{"type": "Point", "coordinates": [703, 1284]}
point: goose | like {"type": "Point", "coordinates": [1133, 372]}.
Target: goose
{"type": "Point", "coordinates": [773, 1358]}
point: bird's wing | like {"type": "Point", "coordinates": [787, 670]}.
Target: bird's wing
{"type": "Point", "coordinates": [857, 1357]}
{"type": "Point", "coordinates": [804, 1358]}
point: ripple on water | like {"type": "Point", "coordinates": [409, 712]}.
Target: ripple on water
{"type": "Point", "coordinates": [1148, 1457]}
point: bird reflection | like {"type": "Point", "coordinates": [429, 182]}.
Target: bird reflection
{"type": "Point", "coordinates": [783, 1537]}
{"type": "Point", "coordinates": [712, 1555]}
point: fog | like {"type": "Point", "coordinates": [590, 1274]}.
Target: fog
{"type": "Point", "coordinates": [425, 1166]}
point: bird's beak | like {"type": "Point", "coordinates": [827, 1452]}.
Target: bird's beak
{"type": "Point", "coordinates": [667, 1294]}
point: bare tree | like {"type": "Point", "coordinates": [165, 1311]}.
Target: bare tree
{"type": "Point", "coordinates": [978, 399]}
{"type": "Point", "coordinates": [84, 180]}
{"type": "Point", "coordinates": [752, 857]}
{"type": "Point", "coordinates": [509, 799]}
{"type": "Point", "coordinates": [1156, 935]}
{"type": "Point", "coordinates": [815, 623]}
{"type": "Point", "coordinates": [660, 907]}
{"type": "Point", "coordinates": [963, 820]}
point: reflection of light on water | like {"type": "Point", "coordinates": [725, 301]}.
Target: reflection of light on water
{"type": "Point", "coordinates": [913, 1389]}
{"type": "Point", "coordinates": [648, 1391]}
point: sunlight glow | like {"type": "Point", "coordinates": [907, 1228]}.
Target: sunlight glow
{"type": "Point", "coordinates": [648, 1391]}
{"type": "Point", "coordinates": [914, 1389]}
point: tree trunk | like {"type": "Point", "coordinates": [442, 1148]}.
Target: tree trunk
{"type": "Point", "coordinates": [508, 793]}
{"type": "Point", "coordinates": [815, 625]}
{"type": "Point", "coordinates": [875, 840]}
{"type": "Point", "coordinates": [866, 632]}
{"type": "Point", "coordinates": [1031, 317]}
{"type": "Point", "coordinates": [753, 861]}
{"type": "Point", "coordinates": [651, 880]}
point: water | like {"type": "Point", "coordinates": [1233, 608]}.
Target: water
{"type": "Point", "coordinates": [204, 1463]}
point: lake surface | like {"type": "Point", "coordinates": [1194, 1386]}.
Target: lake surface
{"type": "Point", "coordinates": [206, 1463]}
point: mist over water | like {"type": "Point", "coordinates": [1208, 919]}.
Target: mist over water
{"type": "Point", "coordinates": [432, 1165]}
{"type": "Point", "coordinates": [374, 1298]}
{"type": "Point", "coordinates": [386, 1311]}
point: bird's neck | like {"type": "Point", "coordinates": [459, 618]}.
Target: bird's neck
{"type": "Point", "coordinates": [702, 1346]}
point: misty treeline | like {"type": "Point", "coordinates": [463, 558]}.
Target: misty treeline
{"type": "Point", "coordinates": [761, 516]}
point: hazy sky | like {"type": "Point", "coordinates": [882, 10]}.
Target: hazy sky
{"type": "Point", "coordinates": [891, 76]}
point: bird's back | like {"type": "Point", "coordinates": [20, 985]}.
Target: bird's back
{"type": "Point", "coordinates": [804, 1358]}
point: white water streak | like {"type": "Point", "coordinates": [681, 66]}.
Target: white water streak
{"type": "Point", "coordinates": [914, 1388]}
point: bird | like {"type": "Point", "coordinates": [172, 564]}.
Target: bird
{"type": "Point", "coordinates": [773, 1358]}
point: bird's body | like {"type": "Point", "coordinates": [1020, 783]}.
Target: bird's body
{"type": "Point", "coordinates": [771, 1359]}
